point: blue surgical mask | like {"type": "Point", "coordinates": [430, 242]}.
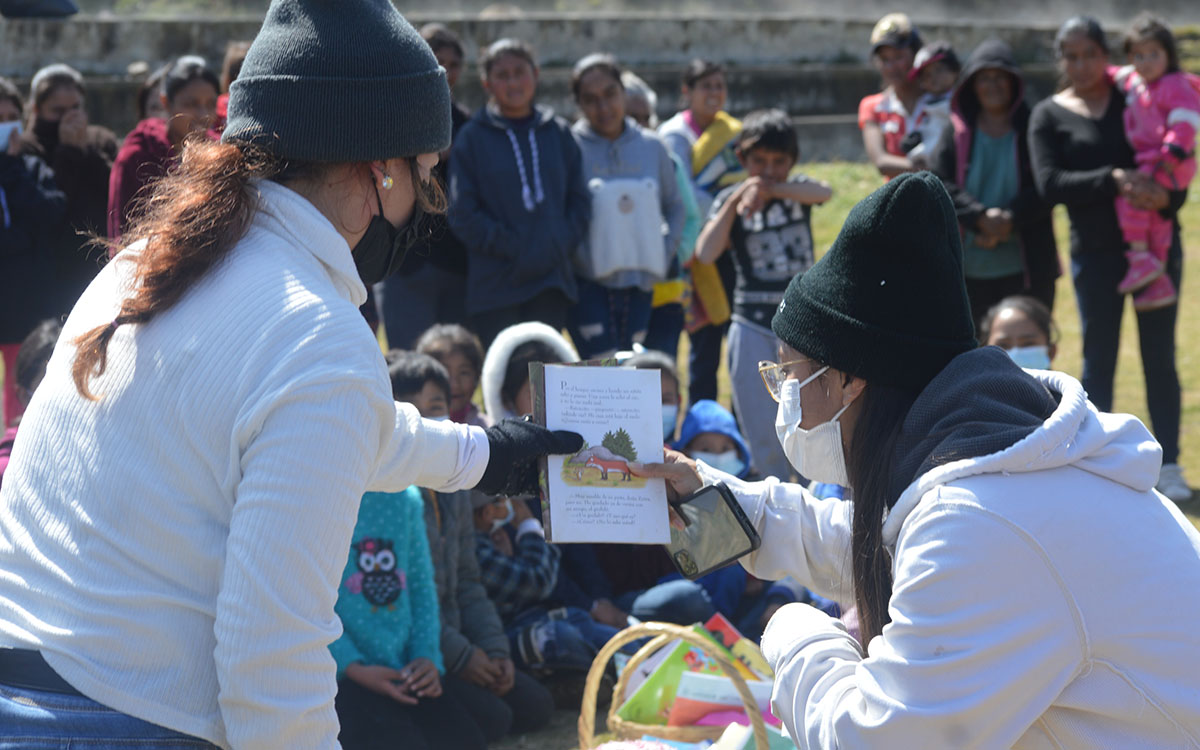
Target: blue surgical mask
{"type": "Point", "coordinates": [1031, 357]}
{"type": "Point", "coordinates": [670, 418]}
{"type": "Point", "coordinates": [728, 462]}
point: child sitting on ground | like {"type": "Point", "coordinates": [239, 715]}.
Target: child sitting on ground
{"type": "Point", "coordinates": [935, 69]}
{"type": "Point", "coordinates": [461, 354]}
{"type": "Point", "coordinates": [389, 657]}
{"type": "Point", "coordinates": [1023, 327]}
{"type": "Point", "coordinates": [495, 697]}
{"type": "Point", "coordinates": [519, 569]}
{"type": "Point", "coordinates": [764, 222]}
{"type": "Point", "coordinates": [671, 398]}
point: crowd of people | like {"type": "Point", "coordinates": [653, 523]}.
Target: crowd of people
{"type": "Point", "coordinates": [460, 622]}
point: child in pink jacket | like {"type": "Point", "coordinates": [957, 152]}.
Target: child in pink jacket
{"type": "Point", "coordinates": [1162, 116]}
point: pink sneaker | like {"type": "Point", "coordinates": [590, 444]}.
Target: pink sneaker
{"type": "Point", "coordinates": [1160, 293]}
{"type": "Point", "coordinates": [1143, 269]}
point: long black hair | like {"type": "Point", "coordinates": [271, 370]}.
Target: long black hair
{"type": "Point", "coordinates": [870, 467]}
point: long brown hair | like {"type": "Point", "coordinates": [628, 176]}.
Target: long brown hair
{"type": "Point", "coordinates": [190, 221]}
{"type": "Point", "coordinates": [869, 468]}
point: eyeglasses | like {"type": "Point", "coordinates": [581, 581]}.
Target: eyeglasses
{"type": "Point", "coordinates": [775, 373]}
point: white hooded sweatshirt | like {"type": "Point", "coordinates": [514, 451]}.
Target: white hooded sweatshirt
{"type": "Point", "coordinates": [1045, 596]}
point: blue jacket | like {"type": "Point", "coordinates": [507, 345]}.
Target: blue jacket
{"type": "Point", "coordinates": [709, 416]}
{"type": "Point", "coordinates": [521, 220]}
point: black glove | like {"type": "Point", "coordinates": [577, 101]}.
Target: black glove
{"type": "Point", "coordinates": [515, 446]}
{"type": "Point", "coordinates": [910, 141]}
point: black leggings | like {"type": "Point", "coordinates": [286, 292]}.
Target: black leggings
{"type": "Point", "coordinates": [526, 708]}
{"type": "Point", "coordinates": [1096, 275]}
{"type": "Point", "coordinates": [371, 721]}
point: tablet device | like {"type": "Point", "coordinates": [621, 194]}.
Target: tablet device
{"type": "Point", "coordinates": [717, 532]}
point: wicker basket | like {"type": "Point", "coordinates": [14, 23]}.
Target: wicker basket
{"type": "Point", "coordinates": [661, 633]}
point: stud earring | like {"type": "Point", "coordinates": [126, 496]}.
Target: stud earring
{"type": "Point", "coordinates": [387, 182]}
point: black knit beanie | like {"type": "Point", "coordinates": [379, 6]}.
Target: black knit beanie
{"type": "Point", "coordinates": [340, 81]}
{"type": "Point", "coordinates": [887, 303]}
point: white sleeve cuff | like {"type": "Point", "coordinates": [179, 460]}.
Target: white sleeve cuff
{"type": "Point", "coordinates": [530, 526]}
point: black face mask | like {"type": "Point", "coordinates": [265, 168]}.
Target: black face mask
{"type": "Point", "coordinates": [381, 251]}
{"type": "Point", "coordinates": [46, 132]}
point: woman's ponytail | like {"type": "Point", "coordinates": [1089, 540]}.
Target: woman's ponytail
{"type": "Point", "coordinates": [870, 468]}
{"type": "Point", "coordinates": [190, 221]}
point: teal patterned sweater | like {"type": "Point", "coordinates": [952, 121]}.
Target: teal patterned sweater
{"type": "Point", "coordinates": [387, 600]}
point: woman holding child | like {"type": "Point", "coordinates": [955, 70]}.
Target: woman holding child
{"type": "Point", "coordinates": [1082, 159]}
{"type": "Point", "coordinates": [178, 511]}
{"type": "Point", "coordinates": [993, 513]}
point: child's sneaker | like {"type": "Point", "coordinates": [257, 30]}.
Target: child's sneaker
{"type": "Point", "coordinates": [1144, 268]}
{"type": "Point", "coordinates": [1160, 293]}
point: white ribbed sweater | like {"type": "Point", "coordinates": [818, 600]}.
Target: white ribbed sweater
{"type": "Point", "coordinates": [174, 549]}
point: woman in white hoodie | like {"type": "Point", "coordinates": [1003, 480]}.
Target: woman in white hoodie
{"type": "Point", "coordinates": [177, 512]}
{"type": "Point", "coordinates": [995, 519]}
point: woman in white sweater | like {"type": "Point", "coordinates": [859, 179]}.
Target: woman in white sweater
{"type": "Point", "coordinates": [1018, 580]}
{"type": "Point", "coordinates": [178, 507]}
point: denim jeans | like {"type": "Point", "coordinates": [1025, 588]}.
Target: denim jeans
{"type": "Point", "coordinates": [1095, 276]}
{"type": "Point", "coordinates": [606, 320]}
{"type": "Point", "coordinates": [44, 720]}
{"type": "Point", "coordinates": [567, 637]}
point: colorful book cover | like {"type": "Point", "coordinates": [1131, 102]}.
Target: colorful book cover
{"type": "Point", "coordinates": [651, 702]}
{"type": "Point", "coordinates": [743, 649]}
{"type": "Point", "coordinates": [700, 695]}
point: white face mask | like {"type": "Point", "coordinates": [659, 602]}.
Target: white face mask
{"type": "Point", "coordinates": [1031, 357]}
{"type": "Point", "coordinates": [817, 453]}
{"type": "Point", "coordinates": [728, 462]}
{"type": "Point", "coordinates": [499, 523]}
{"type": "Point", "coordinates": [670, 417]}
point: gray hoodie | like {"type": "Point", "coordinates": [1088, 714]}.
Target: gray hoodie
{"type": "Point", "coordinates": [637, 152]}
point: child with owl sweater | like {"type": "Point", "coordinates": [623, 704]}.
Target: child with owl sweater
{"type": "Point", "coordinates": [388, 658]}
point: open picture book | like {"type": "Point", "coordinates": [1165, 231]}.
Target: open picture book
{"type": "Point", "coordinates": [593, 495]}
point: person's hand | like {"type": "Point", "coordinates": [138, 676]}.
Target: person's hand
{"type": "Point", "coordinates": [72, 129]}
{"type": "Point", "coordinates": [1000, 222]}
{"type": "Point", "coordinates": [606, 613]}
{"type": "Point", "coordinates": [986, 241]}
{"type": "Point", "coordinates": [508, 674]}
{"type": "Point", "coordinates": [683, 478]}
{"type": "Point", "coordinates": [515, 445]}
{"type": "Point", "coordinates": [480, 670]}
{"type": "Point", "coordinates": [752, 196]}
{"type": "Point", "coordinates": [420, 678]}
{"type": "Point", "coordinates": [1122, 178]}
{"type": "Point", "coordinates": [502, 541]}
{"type": "Point", "coordinates": [521, 511]}
{"type": "Point", "coordinates": [382, 680]}
{"type": "Point", "coordinates": [1149, 196]}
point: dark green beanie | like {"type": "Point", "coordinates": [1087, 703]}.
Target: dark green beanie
{"type": "Point", "coordinates": [339, 81]}
{"type": "Point", "coordinates": [887, 303]}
